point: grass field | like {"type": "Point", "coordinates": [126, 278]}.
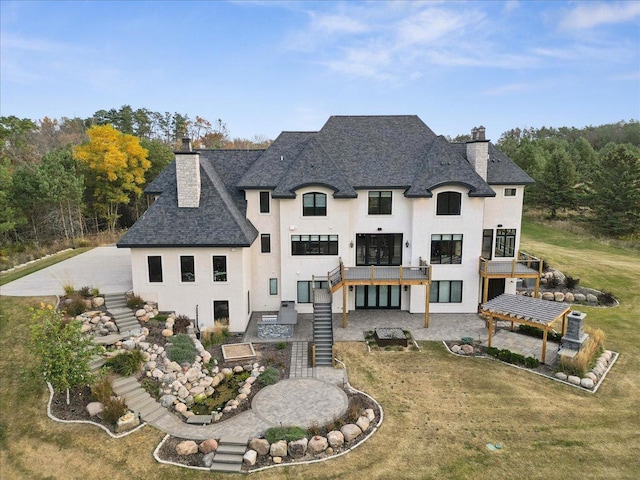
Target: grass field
{"type": "Point", "coordinates": [440, 410]}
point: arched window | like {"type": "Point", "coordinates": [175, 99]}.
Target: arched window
{"type": "Point", "coordinates": [314, 204]}
{"type": "Point", "coordinates": [449, 203]}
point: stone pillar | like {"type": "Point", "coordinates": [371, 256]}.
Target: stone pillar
{"type": "Point", "coordinates": [478, 151]}
{"type": "Point", "coordinates": [574, 336]}
{"type": "Point", "coordinates": [188, 176]}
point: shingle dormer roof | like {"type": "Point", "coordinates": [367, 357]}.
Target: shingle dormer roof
{"type": "Point", "coordinates": [219, 221]}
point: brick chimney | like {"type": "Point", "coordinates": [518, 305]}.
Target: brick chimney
{"type": "Point", "coordinates": [188, 176]}
{"type": "Point", "coordinates": [478, 151]}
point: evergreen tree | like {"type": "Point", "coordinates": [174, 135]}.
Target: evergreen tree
{"type": "Point", "coordinates": [558, 181]}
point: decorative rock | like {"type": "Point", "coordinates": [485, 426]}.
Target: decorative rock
{"type": "Point", "coordinates": [140, 312]}
{"type": "Point", "coordinates": [579, 297]}
{"type": "Point", "coordinates": [97, 302]}
{"type": "Point", "coordinates": [467, 349]}
{"type": "Point", "coordinates": [569, 297]}
{"type": "Point", "coordinates": [370, 414]}
{"type": "Point", "coordinates": [128, 344]}
{"type": "Point", "coordinates": [561, 376]}
{"type": "Point", "coordinates": [238, 369]}
{"type": "Point", "coordinates": [572, 379]}
{"type": "Point", "coordinates": [94, 408]}
{"type": "Point", "coordinates": [180, 408]}
{"type": "Point", "coordinates": [250, 380]}
{"type": "Point", "coordinates": [250, 457]}
{"type": "Point", "coordinates": [298, 448]}
{"type": "Point", "coordinates": [260, 445]}
{"type": "Point", "coordinates": [558, 297]}
{"type": "Point", "coordinates": [86, 327]}
{"type": "Point", "coordinates": [206, 357]}
{"type": "Point", "coordinates": [335, 438]}
{"type": "Point", "coordinates": [317, 444]}
{"type": "Point", "coordinates": [126, 422]}
{"type": "Point", "coordinates": [167, 332]}
{"type": "Point", "coordinates": [208, 446]}
{"type": "Point", "coordinates": [167, 400]}
{"type": "Point", "coordinates": [587, 383]}
{"type": "Point", "coordinates": [363, 423]}
{"type": "Point", "coordinates": [277, 460]}
{"type": "Point", "coordinates": [278, 449]}
{"type": "Point", "coordinates": [548, 296]}
{"type": "Point", "coordinates": [187, 447]}
{"type": "Point", "coordinates": [456, 349]}
{"type": "Point", "coordinates": [591, 298]}
{"type": "Point", "coordinates": [351, 431]}
{"type": "Point", "coordinates": [174, 367]}
{"type": "Point", "coordinates": [329, 451]}
{"type": "Point", "coordinates": [592, 376]}
{"type": "Point", "coordinates": [207, 460]}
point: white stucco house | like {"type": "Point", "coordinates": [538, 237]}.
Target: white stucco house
{"type": "Point", "coordinates": [377, 210]}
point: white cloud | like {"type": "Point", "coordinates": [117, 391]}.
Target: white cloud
{"type": "Point", "coordinates": [509, 88]}
{"type": "Point", "coordinates": [588, 15]}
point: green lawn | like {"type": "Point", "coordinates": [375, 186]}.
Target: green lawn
{"type": "Point", "coordinates": [440, 410]}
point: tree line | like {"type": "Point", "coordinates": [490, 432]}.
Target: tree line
{"type": "Point", "coordinates": [64, 178]}
{"type": "Point", "coordinates": [590, 174]}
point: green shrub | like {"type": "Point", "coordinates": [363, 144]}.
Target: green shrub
{"type": "Point", "coordinates": [571, 282]}
{"type": "Point", "coordinates": [135, 302]}
{"type": "Point", "coordinates": [160, 317]}
{"type": "Point", "coordinates": [69, 290]}
{"type": "Point", "coordinates": [114, 408]}
{"type": "Point", "coordinates": [152, 387]}
{"type": "Point", "coordinates": [281, 345]}
{"type": "Point", "coordinates": [102, 390]}
{"type": "Point", "coordinates": [269, 376]}
{"type": "Point", "coordinates": [553, 282]}
{"type": "Point", "coordinates": [531, 362]}
{"type": "Point", "coordinates": [606, 298]}
{"type": "Point", "coordinates": [85, 291]}
{"type": "Point", "coordinates": [182, 349]}
{"type": "Point", "coordinates": [538, 333]}
{"type": "Point", "coordinates": [127, 363]}
{"type": "Point", "coordinates": [467, 340]}
{"type": "Point", "coordinates": [290, 434]}
{"type": "Point", "coordinates": [95, 292]}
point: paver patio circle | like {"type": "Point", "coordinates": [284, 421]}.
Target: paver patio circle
{"type": "Point", "coordinates": [301, 402]}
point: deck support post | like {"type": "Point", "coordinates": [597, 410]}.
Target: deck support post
{"type": "Point", "coordinates": [426, 305]}
{"type": "Point", "coordinates": [490, 330]}
{"type": "Point", "coordinates": [485, 290]}
{"type": "Point", "coordinates": [344, 306]}
{"type": "Point", "coordinates": [544, 344]}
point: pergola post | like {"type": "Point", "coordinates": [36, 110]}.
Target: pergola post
{"type": "Point", "coordinates": [344, 306]}
{"type": "Point", "coordinates": [490, 330]}
{"type": "Point", "coordinates": [426, 305]}
{"type": "Point", "coordinates": [544, 344]}
{"type": "Point", "coordinates": [485, 292]}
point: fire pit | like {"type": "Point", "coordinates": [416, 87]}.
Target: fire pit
{"type": "Point", "coordinates": [390, 336]}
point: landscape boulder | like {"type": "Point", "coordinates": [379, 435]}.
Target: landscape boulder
{"type": "Point", "coordinates": [335, 438]}
{"type": "Point", "coordinates": [350, 431]}
{"type": "Point", "coordinates": [317, 444]}
{"type": "Point", "coordinates": [210, 445]}
{"type": "Point", "coordinates": [278, 449]}
{"type": "Point", "coordinates": [250, 457]}
{"type": "Point", "coordinates": [260, 445]}
{"type": "Point", "coordinates": [298, 448]}
{"type": "Point", "coordinates": [187, 447]}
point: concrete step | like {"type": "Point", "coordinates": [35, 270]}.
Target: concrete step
{"type": "Point", "coordinates": [231, 449]}
{"type": "Point", "coordinates": [156, 415]}
{"type": "Point", "coordinates": [109, 339]}
{"type": "Point", "coordinates": [134, 395]}
{"type": "Point", "coordinates": [233, 440]}
{"type": "Point", "coordinates": [141, 404]}
{"type": "Point", "coordinates": [97, 363]}
{"type": "Point", "coordinates": [225, 467]}
{"type": "Point", "coordinates": [227, 457]}
{"type": "Point", "coordinates": [126, 388]}
{"type": "Point", "coordinates": [150, 409]}
{"type": "Point", "coordinates": [123, 380]}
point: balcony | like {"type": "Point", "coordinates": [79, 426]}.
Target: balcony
{"type": "Point", "coordinates": [524, 266]}
{"type": "Point", "coordinates": [379, 275]}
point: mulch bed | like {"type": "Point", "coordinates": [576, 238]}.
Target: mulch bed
{"type": "Point", "coordinates": [79, 398]}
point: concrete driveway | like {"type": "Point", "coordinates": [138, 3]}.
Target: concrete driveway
{"type": "Point", "coordinates": [106, 268]}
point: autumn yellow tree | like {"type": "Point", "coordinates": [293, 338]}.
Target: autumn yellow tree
{"type": "Point", "coordinates": [115, 167]}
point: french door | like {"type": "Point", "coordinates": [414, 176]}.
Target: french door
{"type": "Point", "coordinates": [378, 296]}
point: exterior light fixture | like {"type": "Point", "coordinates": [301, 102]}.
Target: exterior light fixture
{"type": "Point", "coordinates": [406, 244]}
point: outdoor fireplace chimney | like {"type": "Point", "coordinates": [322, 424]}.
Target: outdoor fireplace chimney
{"type": "Point", "coordinates": [478, 151]}
{"type": "Point", "coordinates": [188, 176]}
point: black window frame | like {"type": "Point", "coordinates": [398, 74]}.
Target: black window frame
{"type": "Point", "coordinates": [217, 272]}
{"type": "Point", "coordinates": [510, 192]}
{"type": "Point", "coordinates": [437, 292]}
{"type": "Point", "coordinates": [316, 209]}
{"type": "Point", "coordinates": [308, 289]}
{"type": "Point", "coordinates": [505, 242]}
{"type": "Point", "coordinates": [449, 203]}
{"type": "Point", "coordinates": [265, 202]}
{"type": "Point", "coordinates": [154, 272]}
{"type": "Point", "coordinates": [313, 244]}
{"type": "Point", "coordinates": [187, 268]}
{"type": "Point", "coordinates": [380, 202]}
{"type": "Point", "coordinates": [446, 251]}
{"type": "Point", "coordinates": [265, 243]}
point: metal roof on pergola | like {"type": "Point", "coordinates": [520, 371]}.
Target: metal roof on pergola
{"type": "Point", "coordinates": [535, 312]}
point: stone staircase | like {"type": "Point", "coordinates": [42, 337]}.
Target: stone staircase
{"type": "Point", "coordinates": [123, 316]}
{"type": "Point", "coordinates": [138, 400]}
{"type": "Point", "coordinates": [228, 456]}
{"type": "Point", "coordinates": [322, 328]}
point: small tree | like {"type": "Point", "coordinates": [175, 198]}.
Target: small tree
{"type": "Point", "coordinates": [62, 352]}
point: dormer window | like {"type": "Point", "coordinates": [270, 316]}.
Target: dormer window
{"type": "Point", "coordinates": [314, 204]}
{"type": "Point", "coordinates": [448, 203]}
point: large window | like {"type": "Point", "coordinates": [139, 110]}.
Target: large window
{"type": "Point", "coordinates": [273, 286]}
{"type": "Point", "coordinates": [448, 203]}
{"type": "Point", "coordinates": [265, 243]}
{"type": "Point", "coordinates": [219, 268]}
{"type": "Point", "coordinates": [505, 242]}
{"type": "Point", "coordinates": [487, 243]}
{"type": "Point", "coordinates": [187, 268]}
{"type": "Point", "coordinates": [314, 204]}
{"type": "Point", "coordinates": [305, 290]}
{"type": "Point", "coordinates": [379, 249]}
{"type": "Point", "coordinates": [380, 203]}
{"type": "Point", "coordinates": [264, 202]}
{"type": "Point", "coordinates": [221, 311]}
{"type": "Point", "coordinates": [314, 244]}
{"type": "Point", "coordinates": [446, 291]}
{"type": "Point", "coordinates": [446, 249]}
{"type": "Point", "coordinates": [154, 263]}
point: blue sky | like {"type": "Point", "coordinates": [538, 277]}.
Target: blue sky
{"type": "Point", "coordinates": [266, 66]}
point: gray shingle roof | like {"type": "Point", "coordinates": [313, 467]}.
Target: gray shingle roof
{"type": "Point", "coordinates": [501, 170]}
{"type": "Point", "coordinates": [531, 309]}
{"type": "Point", "coordinates": [219, 221]}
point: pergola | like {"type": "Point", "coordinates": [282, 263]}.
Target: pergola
{"type": "Point", "coordinates": [542, 314]}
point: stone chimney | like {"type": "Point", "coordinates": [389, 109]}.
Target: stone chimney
{"type": "Point", "coordinates": [188, 176]}
{"type": "Point", "coordinates": [478, 151]}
